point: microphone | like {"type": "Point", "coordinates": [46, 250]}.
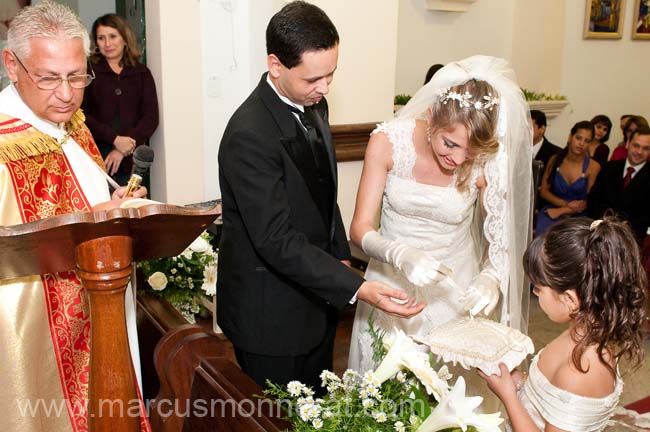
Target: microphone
{"type": "Point", "coordinates": [142, 161]}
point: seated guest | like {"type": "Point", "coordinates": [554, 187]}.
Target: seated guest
{"type": "Point", "coordinates": [624, 185]}
{"type": "Point", "coordinates": [121, 105]}
{"type": "Point", "coordinates": [633, 123]}
{"type": "Point", "coordinates": [543, 149]}
{"type": "Point", "coordinates": [598, 149]}
{"type": "Point", "coordinates": [568, 178]}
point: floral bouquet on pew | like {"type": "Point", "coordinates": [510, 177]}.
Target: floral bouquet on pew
{"type": "Point", "coordinates": [188, 281]}
{"type": "Point", "coordinates": [405, 393]}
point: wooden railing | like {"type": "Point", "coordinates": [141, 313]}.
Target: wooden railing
{"type": "Point", "coordinates": [350, 140]}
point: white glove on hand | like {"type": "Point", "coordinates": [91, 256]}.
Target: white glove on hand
{"type": "Point", "coordinates": [483, 293]}
{"type": "Point", "coordinates": [419, 266]}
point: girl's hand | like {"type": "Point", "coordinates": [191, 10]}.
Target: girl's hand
{"type": "Point", "coordinates": [503, 386]}
{"type": "Point", "coordinates": [113, 161]}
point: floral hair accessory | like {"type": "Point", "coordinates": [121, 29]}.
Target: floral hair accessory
{"type": "Point", "coordinates": [595, 223]}
{"type": "Point", "coordinates": [465, 100]}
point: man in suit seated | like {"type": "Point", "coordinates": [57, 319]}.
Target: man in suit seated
{"type": "Point", "coordinates": [283, 256]}
{"type": "Point", "coordinates": [543, 149]}
{"type": "Point", "coordinates": [624, 185]}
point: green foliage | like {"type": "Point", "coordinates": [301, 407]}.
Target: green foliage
{"type": "Point", "coordinates": [401, 99]}
{"type": "Point", "coordinates": [535, 96]}
{"type": "Point", "coordinates": [378, 348]}
{"type": "Point", "coordinates": [358, 403]}
{"type": "Point", "coordinates": [184, 280]}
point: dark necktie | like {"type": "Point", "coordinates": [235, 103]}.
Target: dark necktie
{"type": "Point", "coordinates": [321, 160]}
{"type": "Point", "coordinates": [312, 137]}
{"type": "Point", "coordinates": [628, 177]}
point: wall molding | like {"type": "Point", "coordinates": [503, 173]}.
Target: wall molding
{"type": "Point", "coordinates": [449, 5]}
{"type": "Point", "coordinates": [350, 140]}
{"type": "Point", "coordinates": [551, 108]}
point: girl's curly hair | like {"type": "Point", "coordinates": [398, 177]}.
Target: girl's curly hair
{"type": "Point", "coordinates": [602, 263]}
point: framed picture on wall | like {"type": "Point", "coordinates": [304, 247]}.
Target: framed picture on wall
{"type": "Point", "coordinates": [604, 19]}
{"type": "Point", "coordinates": [641, 20]}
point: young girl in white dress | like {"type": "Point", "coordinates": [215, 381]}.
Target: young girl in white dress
{"type": "Point", "coordinates": [587, 274]}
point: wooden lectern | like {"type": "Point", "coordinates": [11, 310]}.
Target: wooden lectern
{"type": "Point", "coordinates": [101, 246]}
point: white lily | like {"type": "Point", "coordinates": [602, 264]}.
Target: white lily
{"type": "Point", "coordinates": [418, 363]}
{"type": "Point", "coordinates": [392, 363]}
{"type": "Point", "coordinates": [456, 410]}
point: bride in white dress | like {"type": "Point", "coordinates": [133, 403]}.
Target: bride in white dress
{"type": "Point", "coordinates": [452, 176]}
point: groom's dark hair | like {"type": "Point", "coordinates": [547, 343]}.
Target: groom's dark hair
{"type": "Point", "coordinates": [299, 27]}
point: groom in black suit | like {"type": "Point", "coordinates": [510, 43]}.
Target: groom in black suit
{"type": "Point", "coordinates": [624, 185]}
{"type": "Point", "coordinates": [283, 257]}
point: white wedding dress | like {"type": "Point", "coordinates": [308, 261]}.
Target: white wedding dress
{"type": "Point", "coordinates": [432, 218]}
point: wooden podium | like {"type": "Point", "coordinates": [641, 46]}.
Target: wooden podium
{"type": "Point", "coordinates": [101, 246]}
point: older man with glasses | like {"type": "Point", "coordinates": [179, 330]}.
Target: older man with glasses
{"type": "Point", "coordinates": [49, 165]}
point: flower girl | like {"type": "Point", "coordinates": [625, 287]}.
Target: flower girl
{"type": "Point", "coordinates": [587, 274]}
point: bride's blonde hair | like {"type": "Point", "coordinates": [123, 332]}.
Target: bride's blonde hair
{"type": "Point", "coordinates": [480, 121]}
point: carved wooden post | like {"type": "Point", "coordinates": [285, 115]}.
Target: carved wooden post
{"type": "Point", "coordinates": [104, 267]}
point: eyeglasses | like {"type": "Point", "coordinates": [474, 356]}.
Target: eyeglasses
{"type": "Point", "coordinates": [53, 81]}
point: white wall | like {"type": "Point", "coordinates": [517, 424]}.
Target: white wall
{"type": "Point", "coordinates": [427, 37]}
{"type": "Point", "coordinates": [363, 86]}
{"type": "Point", "coordinates": [601, 76]}
{"type": "Point", "coordinates": [538, 47]}
{"type": "Point", "coordinates": [174, 58]}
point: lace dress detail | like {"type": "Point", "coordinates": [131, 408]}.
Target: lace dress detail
{"type": "Point", "coordinates": [549, 404]}
{"type": "Point", "coordinates": [432, 218]}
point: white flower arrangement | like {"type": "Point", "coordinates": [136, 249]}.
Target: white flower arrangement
{"type": "Point", "coordinates": [404, 394]}
{"type": "Point", "coordinates": [186, 279]}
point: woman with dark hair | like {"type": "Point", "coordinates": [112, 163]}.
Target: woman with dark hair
{"type": "Point", "coordinates": [632, 123]}
{"type": "Point", "coordinates": [568, 178]}
{"type": "Point", "coordinates": [598, 149]}
{"type": "Point", "coordinates": [121, 105]}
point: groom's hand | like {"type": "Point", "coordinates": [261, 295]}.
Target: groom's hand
{"type": "Point", "coordinates": [381, 296]}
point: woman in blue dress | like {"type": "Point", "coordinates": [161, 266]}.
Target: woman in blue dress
{"type": "Point", "coordinates": [568, 178]}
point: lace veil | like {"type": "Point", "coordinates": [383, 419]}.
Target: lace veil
{"type": "Point", "coordinates": [507, 198]}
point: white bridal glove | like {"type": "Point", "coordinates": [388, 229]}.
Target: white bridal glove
{"type": "Point", "coordinates": [419, 266]}
{"type": "Point", "coordinates": [483, 293]}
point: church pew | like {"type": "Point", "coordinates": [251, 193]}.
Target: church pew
{"type": "Point", "coordinates": [202, 389]}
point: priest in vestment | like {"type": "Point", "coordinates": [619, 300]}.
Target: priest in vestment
{"type": "Point", "coordinates": [49, 165]}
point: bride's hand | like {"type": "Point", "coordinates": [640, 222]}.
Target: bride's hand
{"type": "Point", "coordinates": [420, 267]}
{"type": "Point", "coordinates": [483, 293]}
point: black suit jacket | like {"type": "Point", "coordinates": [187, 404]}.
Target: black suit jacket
{"type": "Point", "coordinates": [632, 203]}
{"type": "Point", "coordinates": [279, 261]}
{"type": "Point", "coordinates": [545, 152]}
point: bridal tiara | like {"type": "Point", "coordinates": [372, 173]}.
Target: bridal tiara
{"type": "Point", "coordinates": [465, 99]}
